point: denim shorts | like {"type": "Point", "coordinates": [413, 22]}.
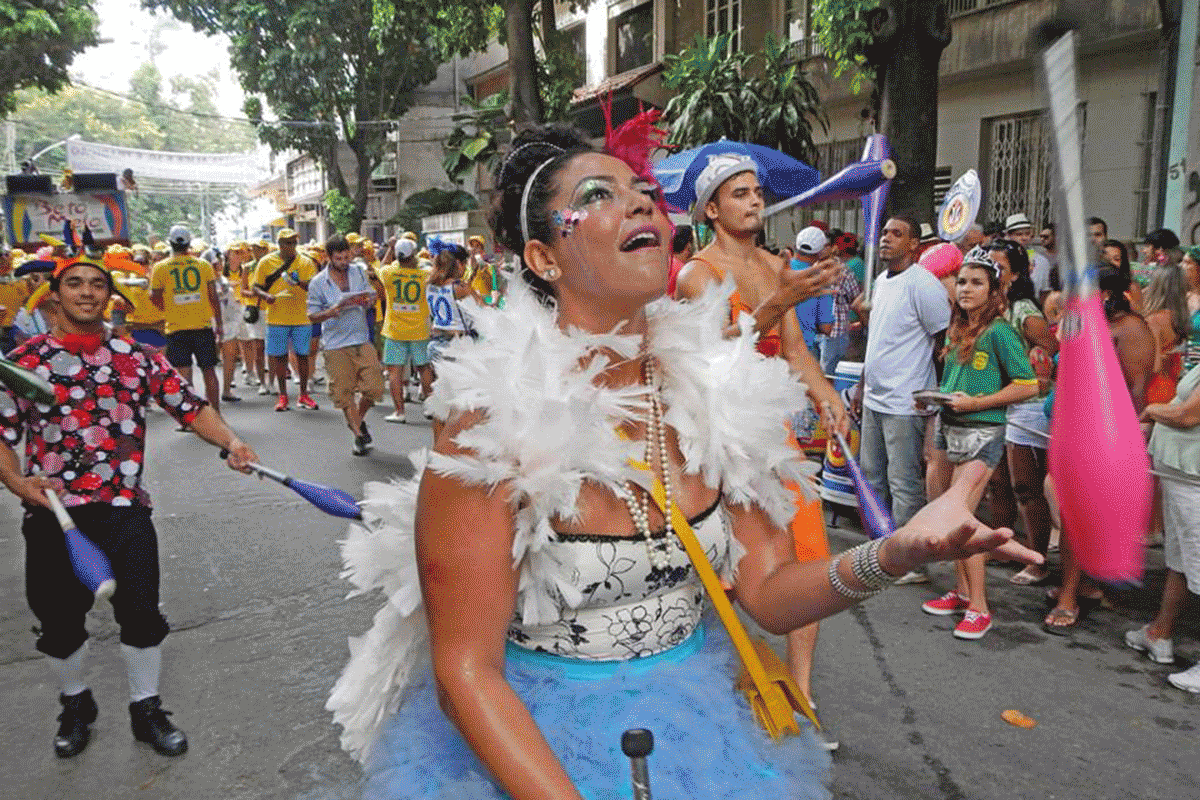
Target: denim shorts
{"type": "Point", "coordinates": [399, 352]}
{"type": "Point", "coordinates": [961, 443]}
{"type": "Point", "coordinates": [279, 336]}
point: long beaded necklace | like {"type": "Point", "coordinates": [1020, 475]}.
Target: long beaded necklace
{"type": "Point", "coordinates": [658, 547]}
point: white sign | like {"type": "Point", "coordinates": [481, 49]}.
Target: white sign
{"type": "Point", "coordinates": [197, 167]}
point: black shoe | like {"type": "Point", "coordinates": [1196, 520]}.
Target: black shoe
{"type": "Point", "coordinates": [150, 724]}
{"type": "Point", "coordinates": [79, 711]}
{"type": "Point", "coordinates": [366, 434]}
{"type": "Point", "coordinates": [361, 446]}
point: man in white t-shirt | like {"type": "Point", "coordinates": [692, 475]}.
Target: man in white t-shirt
{"type": "Point", "coordinates": [908, 317]}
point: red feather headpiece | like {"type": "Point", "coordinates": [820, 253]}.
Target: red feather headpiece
{"type": "Point", "coordinates": [634, 141]}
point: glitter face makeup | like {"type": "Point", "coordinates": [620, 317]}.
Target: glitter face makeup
{"type": "Point", "coordinates": [566, 221]}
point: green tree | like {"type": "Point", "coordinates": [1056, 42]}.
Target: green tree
{"type": "Point", "coordinates": [341, 211]}
{"type": "Point", "coordinates": [334, 75]}
{"type": "Point", "coordinates": [476, 138]}
{"type": "Point", "coordinates": [898, 45]}
{"type": "Point", "coordinates": [746, 97]}
{"type": "Point", "coordinates": [844, 33]}
{"type": "Point", "coordinates": [38, 41]}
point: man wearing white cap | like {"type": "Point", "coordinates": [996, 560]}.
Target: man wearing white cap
{"type": "Point", "coordinates": [1018, 228]}
{"type": "Point", "coordinates": [729, 198]}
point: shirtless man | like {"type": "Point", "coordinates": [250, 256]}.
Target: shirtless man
{"type": "Point", "coordinates": [729, 197]}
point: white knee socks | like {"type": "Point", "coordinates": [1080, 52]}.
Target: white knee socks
{"type": "Point", "coordinates": [70, 671]}
{"type": "Point", "coordinates": [143, 664]}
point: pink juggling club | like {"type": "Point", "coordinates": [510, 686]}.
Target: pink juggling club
{"type": "Point", "coordinates": [1097, 454]}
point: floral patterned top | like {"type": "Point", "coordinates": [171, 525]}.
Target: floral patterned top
{"type": "Point", "coordinates": [93, 439]}
{"type": "Point", "coordinates": [631, 608]}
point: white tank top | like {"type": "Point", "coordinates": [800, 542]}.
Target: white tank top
{"type": "Point", "coordinates": [444, 313]}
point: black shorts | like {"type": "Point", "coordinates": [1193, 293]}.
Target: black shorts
{"type": "Point", "coordinates": [198, 342]}
{"type": "Point", "coordinates": [58, 599]}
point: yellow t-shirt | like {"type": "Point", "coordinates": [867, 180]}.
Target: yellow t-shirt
{"type": "Point", "coordinates": [13, 294]}
{"type": "Point", "coordinates": [291, 301]}
{"type": "Point", "coordinates": [407, 316]}
{"type": "Point", "coordinates": [184, 281]}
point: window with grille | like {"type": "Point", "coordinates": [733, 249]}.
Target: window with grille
{"type": "Point", "coordinates": [844, 215]}
{"type": "Point", "coordinates": [1141, 195]}
{"type": "Point", "coordinates": [634, 31]}
{"type": "Point", "coordinates": [724, 17]}
{"type": "Point", "coordinates": [1018, 154]}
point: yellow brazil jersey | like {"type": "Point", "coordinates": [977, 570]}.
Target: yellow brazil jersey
{"type": "Point", "coordinates": [291, 301]}
{"type": "Point", "coordinates": [407, 317]}
{"type": "Point", "coordinates": [13, 294]}
{"type": "Point", "coordinates": [184, 281]}
{"type": "Point", "coordinates": [137, 292]}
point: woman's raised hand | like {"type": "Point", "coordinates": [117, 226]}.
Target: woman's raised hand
{"type": "Point", "coordinates": [946, 530]}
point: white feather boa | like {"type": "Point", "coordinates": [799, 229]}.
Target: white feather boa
{"type": "Point", "coordinates": [548, 428]}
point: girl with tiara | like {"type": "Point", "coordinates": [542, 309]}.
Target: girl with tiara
{"type": "Point", "coordinates": [538, 601]}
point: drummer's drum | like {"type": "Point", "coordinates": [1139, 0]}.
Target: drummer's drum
{"type": "Point", "coordinates": [836, 483]}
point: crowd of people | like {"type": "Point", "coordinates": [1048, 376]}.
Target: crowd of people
{"type": "Point", "coordinates": [958, 346]}
{"type": "Point", "coordinates": [979, 324]}
{"type": "Point", "coordinates": [376, 317]}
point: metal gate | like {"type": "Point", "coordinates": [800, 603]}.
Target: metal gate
{"type": "Point", "coordinates": [1019, 174]}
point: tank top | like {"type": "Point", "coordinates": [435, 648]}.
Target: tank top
{"type": "Point", "coordinates": [1192, 357]}
{"type": "Point", "coordinates": [769, 343]}
{"type": "Point", "coordinates": [444, 313]}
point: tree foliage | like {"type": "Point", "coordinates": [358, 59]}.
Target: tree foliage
{"type": "Point", "coordinates": [747, 97]}
{"type": "Point", "coordinates": [38, 41]}
{"type": "Point", "coordinates": [841, 28]}
{"type": "Point", "coordinates": [341, 211]}
{"type": "Point", "coordinates": [477, 136]}
{"type": "Point", "coordinates": [331, 73]}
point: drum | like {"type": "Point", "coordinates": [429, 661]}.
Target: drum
{"type": "Point", "coordinates": [836, 484]}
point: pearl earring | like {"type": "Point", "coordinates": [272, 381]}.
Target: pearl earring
{"type": "Point", "coordinates": [551, 274]}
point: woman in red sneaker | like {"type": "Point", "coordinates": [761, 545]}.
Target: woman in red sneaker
{"type": "Point", "coordinates": [986, 371]}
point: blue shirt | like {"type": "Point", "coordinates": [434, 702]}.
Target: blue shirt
{"type": "Point", "coordinates": [813, 312]}
{"type": "Point", "coordinates": [348, 328]}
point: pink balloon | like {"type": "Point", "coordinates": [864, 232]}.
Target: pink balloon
{"type": "Point", "coordinates": [1097, 454]}
{"type": "Point", "coordinates": [942, 259]}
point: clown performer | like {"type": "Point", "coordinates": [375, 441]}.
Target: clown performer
{"type": "Point", "coordinates": [89, 449]}
{"type": "Point", "coordinates": [730, 198]}
{"type": "Point", "coordinates": [539, 603]}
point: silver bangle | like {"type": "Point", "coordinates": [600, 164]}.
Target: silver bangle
{"type": "Point", "coordinates": [840, 586]}
{"type": "Point", "coordinates": [866, 567]}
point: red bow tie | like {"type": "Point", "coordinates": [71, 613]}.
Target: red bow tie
{"type": "Point", "coordinates": [82, 342]}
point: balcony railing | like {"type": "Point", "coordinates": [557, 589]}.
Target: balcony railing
{"type": "Point", "coordinates": [959, 8]}
{"type": "Point", "coordinates": [804, 49]}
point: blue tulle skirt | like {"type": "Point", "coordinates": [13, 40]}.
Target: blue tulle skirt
{"type": "Point", "coordinates": [707, 745]}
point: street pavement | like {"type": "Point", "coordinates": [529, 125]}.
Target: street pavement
{"type": "Point", "coordinates": [260, 623]}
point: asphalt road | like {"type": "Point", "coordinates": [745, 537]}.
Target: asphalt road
{"type": "Point", "coordinates": [259, 635]}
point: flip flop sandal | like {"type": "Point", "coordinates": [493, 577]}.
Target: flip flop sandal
{"type": "Point", "coordinates": [1024, 578]}
{"type": "Point", "coordinates": [1070, 617]}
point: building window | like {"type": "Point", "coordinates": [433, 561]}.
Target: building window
{"type": "Point", "coordinates": [577, 34]}
{"type": "Point", "coordinates": [844, 215]}
{"type": "Point", "coordinates": [795, 20]}
{"type": "Point", "coordinates": [634, 33]}
{"type": "Point", "coordinates": [1141, 195]}
{"type": "Point", "coordinates": [1017, 172]}
{"type": "Point", "coordinates": [724, 17]}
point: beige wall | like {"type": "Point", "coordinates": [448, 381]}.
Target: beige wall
{"type": "Point", "coordinates": [1112, 86]}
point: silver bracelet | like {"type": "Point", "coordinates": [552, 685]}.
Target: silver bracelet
{"type": "Point", "coordinates": [866, 567]}
{"type": "Point", "coordinates": [840, 586]}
